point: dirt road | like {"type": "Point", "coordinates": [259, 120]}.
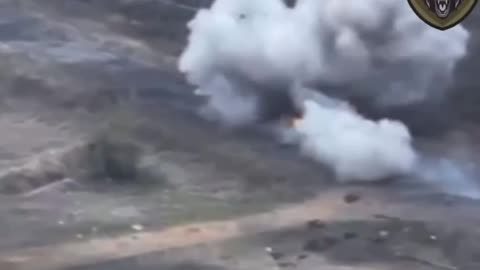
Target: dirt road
{"type": "Point", "coordinates": [228, 196]}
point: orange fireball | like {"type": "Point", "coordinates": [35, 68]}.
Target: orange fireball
{"type": "Point", "coordinates": [295, 119]}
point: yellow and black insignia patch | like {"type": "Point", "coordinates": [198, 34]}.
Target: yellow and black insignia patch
{"type": "Point", "coordinates": [442, 14]}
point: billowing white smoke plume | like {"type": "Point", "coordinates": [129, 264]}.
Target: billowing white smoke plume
{"type": "Point", "coordinates": [356, 148]}
{"type": "Point", "coordinates": [377, 49]}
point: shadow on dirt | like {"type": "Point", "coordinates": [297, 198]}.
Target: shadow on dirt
{"type": "Point", "coordinates": [136, 263]}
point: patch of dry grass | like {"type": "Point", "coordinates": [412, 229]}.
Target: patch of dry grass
{"type": "Point", "coordinates": [115, 152]}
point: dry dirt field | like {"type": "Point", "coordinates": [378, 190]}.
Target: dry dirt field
{"type": "Point", "coordinates": [82, 81]}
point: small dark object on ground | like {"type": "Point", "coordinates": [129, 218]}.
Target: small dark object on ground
{"type": "Point", "coordinates": [381, 237]}
{"type": "Point", "coordinates": [386, 217]}
{"type": "Point", "coordinates": [378, 240]}
{"type": "Point", "coordinates": [302, 257]}
{"type": "Point", "coordinates": [286, 265]}
{"type": "Point", "coordinates": [330, 240]}
{"type": "Point", "coordinates": [351, 198]}
{"type": "Point", "coordinates": [350, 235]}
{"type": "Point", "coordinates": [315, 224]}
{"type": "Point", "coordinates": [277, 255]}
{"type": "Point", "coordinates": [313, 245]}
{"type": "Point", "coordinates": [317, 245]}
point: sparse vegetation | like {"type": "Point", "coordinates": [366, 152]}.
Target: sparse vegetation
{"type": "Point", "coordinates": [114, 159]}
{"type": "Point", "coordinates": [113, 152]}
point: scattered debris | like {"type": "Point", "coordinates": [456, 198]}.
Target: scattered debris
{"type": "Point", "coordinates": [351, 198]}
{"type": "Point", "coordinates": [277, 255]}
{"type": "Point", "coordinates": [274, 254]}
{"type": "Point", "coordinates": [137, 227]}
{"type": "Point", "coordinates": [317, 245]}
{"type": "Point", "coordinates": [315, 224]}
{"type": "Point", "coordinates": [382, 236]}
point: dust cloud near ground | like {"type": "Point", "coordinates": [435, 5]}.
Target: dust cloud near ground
{"type": "Point", "coordinates": [107, 160]}
{"type": "Point", "coordinates": [343, 52]}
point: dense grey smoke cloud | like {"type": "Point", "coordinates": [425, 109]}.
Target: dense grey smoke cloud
{"type": "Point", "coordinates": [241, 51]}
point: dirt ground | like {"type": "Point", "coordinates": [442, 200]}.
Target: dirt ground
{"type": "Point", "coordinates": [220, 199]}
